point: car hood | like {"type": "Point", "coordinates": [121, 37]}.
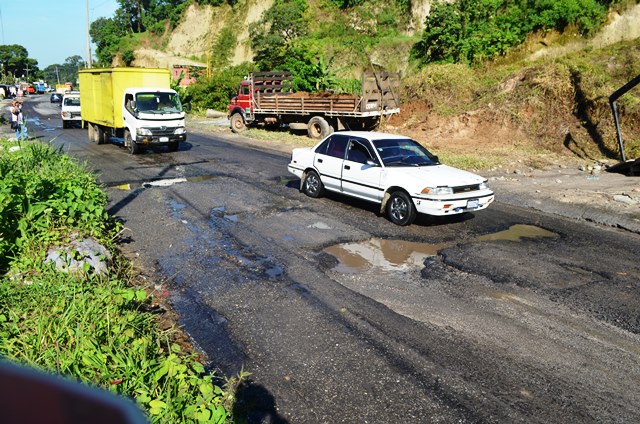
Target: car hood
{"type": "Point", "coordinates": [435, 176]}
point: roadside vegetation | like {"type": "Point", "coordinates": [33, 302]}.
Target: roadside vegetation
{"type": "Point", "coordinates": [98, 328]}
{"type": "Point", "coordinates": [472, 58]}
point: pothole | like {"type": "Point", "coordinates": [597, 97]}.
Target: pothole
{"type": "Point", "coordinates": [388, 255]}
{"type": "Point", "coordinates": [402, 255]}
{"type": "Point", "coordinates": [517, 233]}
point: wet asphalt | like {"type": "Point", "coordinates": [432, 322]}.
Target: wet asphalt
{"type": "Point", "coordinates": [506, 315]}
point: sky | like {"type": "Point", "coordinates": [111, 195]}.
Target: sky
{"type": "Point", "coordinates": [51, 30]}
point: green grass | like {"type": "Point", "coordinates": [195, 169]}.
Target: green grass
{"type": "Point", "coordinates": [98, 329]}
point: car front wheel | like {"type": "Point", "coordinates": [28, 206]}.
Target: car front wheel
{"type": "Point", "coordinates": [400, 208]}
{"type": "Point", "coordinates": [312, 185]}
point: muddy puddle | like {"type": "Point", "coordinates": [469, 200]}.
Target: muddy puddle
{"type": "Point", "coordinates": [388, 255]}
{"type": "Point", "coordinates": [402, 255]}
{"type": "Point", "coordinates": [517, 233]}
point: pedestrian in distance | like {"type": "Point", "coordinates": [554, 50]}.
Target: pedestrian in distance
{"type": "Point", "coordinates": [18, 121]}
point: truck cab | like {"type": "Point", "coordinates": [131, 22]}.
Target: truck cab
{"type": "Point", "coordinates": [153, 116]}
{"type": "Point", "coordinates": [243, 101]}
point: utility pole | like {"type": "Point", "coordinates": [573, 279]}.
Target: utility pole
{"type": "Point", "coordinates": [26, 68]}
{"type": "Point", "coordinates": [89, 64]}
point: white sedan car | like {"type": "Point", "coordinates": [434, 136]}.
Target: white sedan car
{"type": "Point", "coordinates": [392, 170]}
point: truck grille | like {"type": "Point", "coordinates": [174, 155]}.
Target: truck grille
{"type": "Point", "coordinates": [162, 131]}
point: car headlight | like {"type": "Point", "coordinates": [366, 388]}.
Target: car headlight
{"type": "Point", "coordinates": [483, 185]}
{"type": "Point", "coordinates": [179, 130]}
{"type": "Point", "coordinates": [437, 190]}
{"type": "Point", "coordinates": [66, 114]}
{"type": "Point", "coordinates": [144, 131]}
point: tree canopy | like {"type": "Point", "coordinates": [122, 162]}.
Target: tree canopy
{"type": "Point", "coordinates": [15, 62]}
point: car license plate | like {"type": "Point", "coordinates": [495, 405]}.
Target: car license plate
{"type": "Point", "coordinates": [163, 139]}
{"type": "Point", "coordinates": [472, 204]}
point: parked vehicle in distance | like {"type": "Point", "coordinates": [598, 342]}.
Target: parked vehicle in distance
{"type": "Point", "coordinates": [39, 87]}
{"type": "Point", "coordinates": [267, 98]}
{"type": "Point", "coordinates": [392, 170]}
{"type": "Point", "coordinates": [70, 109]}
{"type": "Point", "coordinates": [56, 98]}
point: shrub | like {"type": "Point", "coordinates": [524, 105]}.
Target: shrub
{"type": "Point", "coordinates": [469, 31]}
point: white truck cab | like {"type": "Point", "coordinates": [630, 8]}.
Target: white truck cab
{"type": "Point", "coordinates": [153, 116]}
{"type": "Point", "coordinates": [70, 109]}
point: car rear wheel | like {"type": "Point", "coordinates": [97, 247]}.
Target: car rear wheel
{"type": "Point", "coordinates": [312, 185]}
{"type": "Point", "coordinates": [400, 208]}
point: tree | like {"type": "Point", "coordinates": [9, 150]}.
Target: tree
{"type": "Point", "coordinates": [67, 72]}
{"type": "Point", "coordinates": [15, 61]}
{"type": "Point", "coordinates": [274, 37]}
{"type": "Point", "coordinates": [106, 33]}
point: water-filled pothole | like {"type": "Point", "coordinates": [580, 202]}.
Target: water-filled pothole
{"type": "Point", "coordinates": [402, 255]}
{"type": "Point", "coordinates": [389, 255]}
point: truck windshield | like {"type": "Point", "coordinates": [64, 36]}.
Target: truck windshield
{"type": "Point", "coordinates": [158, 103]}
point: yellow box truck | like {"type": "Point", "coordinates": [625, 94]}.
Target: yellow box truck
{"type": "Point", "coordinates": [135, 104]}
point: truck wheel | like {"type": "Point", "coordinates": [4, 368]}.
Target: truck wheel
{"type": "Point", "coordinates": [131, 145]}
{"type": "Point", "coordinates": [91, 131]}
{"type": "Point", "coordinates": [237, 123]}
{"type": "Point", "coordinates": [65, 125]}
{"type": "Point", "coordinates": [101, 135]}
{"type": "Point", "coordinates": [318, 128]}
{"type": "Point", "coordinates": [371, 124]}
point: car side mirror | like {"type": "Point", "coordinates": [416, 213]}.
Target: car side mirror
{"type": "Point", "coordinates": [133, 105]}
{"type": "Point", "coordinates": [371, 162]}
{"type": "Point", "coordinates": [187, 107]}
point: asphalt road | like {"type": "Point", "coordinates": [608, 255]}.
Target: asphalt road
{"type": "Point", "coordinates": [507, 315]}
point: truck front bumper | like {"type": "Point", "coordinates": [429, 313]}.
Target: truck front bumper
{"type": "Point", "coordinates": [154, 139]}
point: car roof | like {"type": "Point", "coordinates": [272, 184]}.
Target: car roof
{"type": "Point", "coordinates": [371, 135]}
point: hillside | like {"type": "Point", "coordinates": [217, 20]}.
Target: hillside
{"type": "Point", "coordinates": [548, 94]}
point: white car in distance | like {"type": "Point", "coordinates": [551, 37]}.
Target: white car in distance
{"type": "Point", "coordinates": [392, 170]}
{"type": "Point", "coordinates": [70, 109]}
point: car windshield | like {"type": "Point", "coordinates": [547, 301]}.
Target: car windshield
{"type": "Point", "coordinates": [72, 101]}
{"type": "Point", "coordinates": [158, 103]}
{"type": "Point", "coordinates": [404, 152]}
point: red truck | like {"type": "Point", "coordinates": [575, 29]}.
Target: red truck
{"type": "Point", "coordinates": [267, 98]}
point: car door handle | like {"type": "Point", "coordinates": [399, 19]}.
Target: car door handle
{"type": "Point", "coordinates": [319, 160]}
{"type": "Point", "coordinates": [347, 167]}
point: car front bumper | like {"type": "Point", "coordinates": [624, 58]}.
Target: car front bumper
{"type": "Point", "coordinates": [452, 205]}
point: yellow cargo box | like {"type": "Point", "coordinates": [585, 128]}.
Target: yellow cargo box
{"type": "Point", "coordinates": [102, 91]}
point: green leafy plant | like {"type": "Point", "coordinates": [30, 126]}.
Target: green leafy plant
{"type": "Point", "coordinates": [469, 31]}
{"type": "Point", "coordinates": [98, 329]}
